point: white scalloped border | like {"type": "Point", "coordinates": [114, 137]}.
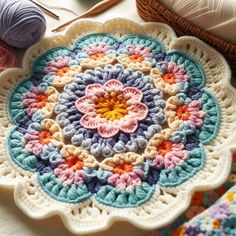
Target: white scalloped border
{"type": "Point", "coordinates": [37, 204]}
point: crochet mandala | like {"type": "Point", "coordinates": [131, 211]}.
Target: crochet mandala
{"type": "Point", "coordinates": [117, 120]}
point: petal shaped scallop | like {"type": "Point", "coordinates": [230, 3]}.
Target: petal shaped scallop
{"type": "Point", "coordinates": [135, 39]}
{"type": "Point", "coordinates": [53, 186]}
{"type": "Point", "coordinates": [16, 107]}
{"type": "Point", "coordinates": [113, 85]}
{"type": "Point", "coordinates": [42, 61]}
{"type": "Point", "coordinates": [85, 104]}
{"type": "Point", "coordinates": [92, 89]}
{"type": "Point", "coordinates": [138, 110]}
{"type": "Point", "coordinates": [128, 125]}
{"type": "Point", "coordinates": [87, 40]}
{"type": "Point", "coordinates": [132, 93]}
{"type": "Point", "coordinates": [188, 168]}
{"type": "Point", "coordinates": [211, 119]}
{"type": "Point", "coordinates": [107, 130]}
{"type": "Point", "coordinates": [134, 197]}
{"type": "Point", "coordinates": [90, 120]}
{"type": "Point", "coordinates": [18, 154]}
{"type": "Point", "coordinates": [192, 67]}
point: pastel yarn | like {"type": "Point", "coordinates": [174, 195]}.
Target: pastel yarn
{"type": "Point", "coordinates": [7, 56]}
{"type": "Point", "coordinates": [21, 23]}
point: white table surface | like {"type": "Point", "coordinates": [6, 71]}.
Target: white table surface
{"type": "Point", "coordinates": [12, 221]}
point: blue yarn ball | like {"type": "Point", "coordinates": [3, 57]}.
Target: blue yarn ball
{"type": "Point", "coordinates": [21, 23]}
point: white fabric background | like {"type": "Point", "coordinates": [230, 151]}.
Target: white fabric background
{"type": "Point", "coordinates": [12, 221]}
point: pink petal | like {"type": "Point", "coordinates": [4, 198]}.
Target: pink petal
{"type": "Point", "coordinates": [85, 104]}
{"type": "Point", "coordinates": [131, 49]}
{"type": "Point", "coordinates": [132, 93]}
{"type": "Point", "coordinates": [173, 158]}
{"type": "Point", "coordinates": [36, 91]}
{"type": "Point", "coordinates": [136, 181]}
{"type": "Point", "coordinates": [29, 102]}
{"type": "Point", "coordinates": [80, 176]}
{"type": "Point", "coordinates": [31, 111]}
{"type": "Point", "coordinates": [113, 85]}
{"type": "Point", "coordinates": [125, 179]}
{"type": "Point", "coordinates": [158, 161]}
{"type": "Point", "coordinates": [128, 125]}
{"type": "Point", "coordinates": [32, 137]}
{"type": "Point", "coordinates": [91, 89]}
{"type": "Point", "coordinates": [113, 179]}
{"type": "Point", "coordinates": [30, 95]}
{"type": "Point", "coordinates": [90, 120]}
{"type": "Point", "coordinates": [137, 172]}
{"type": "Point", "coordinates": [50, 69]}
{"type": "Point", "coordinates": [138, 110]}
{"type": "Point", "coordinates": [171, 161]}
{"type": "Point", "coordinates": [177, 146]}
{"type": "Point", "coordinates": [107, 130]}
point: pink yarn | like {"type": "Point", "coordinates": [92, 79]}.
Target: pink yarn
{"type": "Point", "coordinates": [7, 56]}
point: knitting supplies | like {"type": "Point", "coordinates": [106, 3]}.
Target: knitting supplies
{"type": "Point", "coordinates": [21, 23]}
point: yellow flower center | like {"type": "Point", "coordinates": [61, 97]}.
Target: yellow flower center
{"type": "Point", "coordinates": [45, 136]}
{"type": "Point", "coordinates": [113, 107]}
{"type": "Point", "coordinates": [62, 71]}
{"type": "Point", "coordinates": [97, 55]}
{"type": "Point", "coordinates": [136, 57]}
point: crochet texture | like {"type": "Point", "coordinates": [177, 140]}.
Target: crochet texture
{"type": "Point", "coordinates": [115, 121]}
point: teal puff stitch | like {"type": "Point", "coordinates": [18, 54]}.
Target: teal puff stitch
{"type": "Point", "coordinates": [15, 107]}
{"type": "Point", "coordinates": [42, 61]}
{"type": "Point", "coordinates": [180, 173]}
{"type": "Point", "coordinates": [145, 41]}
{"type": "Point", "coordinates": [87, 40]}
{"type": "Point", "coordinates": [134, 197]}
{"type": "Point", "coordinates": [212, 117]}
{"type": "Point", "coordinates": [53, 186]}
{"type": "Point", "coordinates": [18, 153]}
{"type": "Point", "coordinates": [192, 67]}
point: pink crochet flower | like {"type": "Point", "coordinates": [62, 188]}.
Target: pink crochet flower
{"type": "Point", "coordinates": [139, 51]}
{"type": "Point", "coordinates": [195, 113]}
{"type": "Point", "coordinates": [169, 154]}
{"type": "Point", "coordinates": [96, 48]}
{"type": "Point", "coordinates": [40, 99]}
{"type": "Point", "coordinates": [127, 170]}
{"type": "Point", "coordinates": [111, 108]}
{"type": "Point", "coordinates": [177, 113]}
{"type": "Point", "coordinates": [39, 135]}
{"type": "Point", "coordinates": [56, 66]}
{"type": "Point", "coordinates": [173, 73]}
{"type": "Point", "coordinates": [74, 165]}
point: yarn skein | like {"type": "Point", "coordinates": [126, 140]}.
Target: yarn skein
{"type": "Point", "coordinates": [7, 56]}
{"type": "Point", "coordinates": [21, 23]}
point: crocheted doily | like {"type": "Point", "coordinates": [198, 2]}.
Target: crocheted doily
{"type": "Point", "coordinates": [115, 121]}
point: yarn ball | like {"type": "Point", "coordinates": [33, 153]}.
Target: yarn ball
{"type": "Point", "coordinates": [21, 23]}
{"type": "Point", "coordinates": [7, 56]}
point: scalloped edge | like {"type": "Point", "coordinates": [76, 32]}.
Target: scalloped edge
{"type": "Point", "coordinates": [185, 197]}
